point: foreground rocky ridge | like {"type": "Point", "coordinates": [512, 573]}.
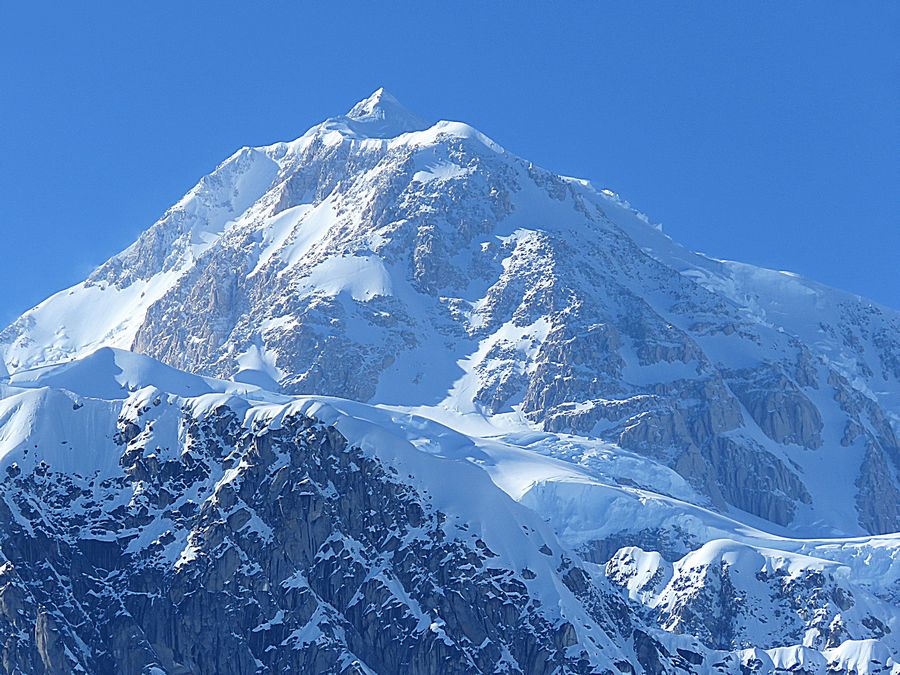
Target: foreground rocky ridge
{"type": "Point", "coordinates": [277, 548]}
{"type": "Point", "coordinates": [244, 532]}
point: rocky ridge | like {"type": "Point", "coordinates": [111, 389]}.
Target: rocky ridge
{"type": "Point", "coordinates": [245, 532]}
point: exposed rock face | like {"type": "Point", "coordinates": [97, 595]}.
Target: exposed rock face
{"type": "Point", "coordinates": [273, 549]}
{"type": "Point", "coordinates": [779, 407]}
{"type": "Point", "coordinates": [731, 597]}
{"type": "Point", "coordinates": [231, 534]}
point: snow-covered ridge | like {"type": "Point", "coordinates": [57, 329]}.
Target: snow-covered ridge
{"type": "Point", "coordinates": [849, 599]}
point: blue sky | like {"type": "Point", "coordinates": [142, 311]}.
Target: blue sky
{"type": "Point", "coordinates": [764, 132]}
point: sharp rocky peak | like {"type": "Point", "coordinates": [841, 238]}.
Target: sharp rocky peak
{"type": "Point", "coordinates": [381, 115]}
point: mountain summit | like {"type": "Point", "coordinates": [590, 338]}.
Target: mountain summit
{"type": "Point", "coordinates": [384, 116]}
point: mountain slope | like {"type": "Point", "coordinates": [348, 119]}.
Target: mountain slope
{"type": "Point", "coordinates": [382, 259]}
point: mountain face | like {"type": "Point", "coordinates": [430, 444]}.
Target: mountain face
{"type": "Point", "coordinates": [560, 441]}
{"type": "Point", "coordinates": [223, 536]}
{"type": "Point", "coordinates": [380, 259]}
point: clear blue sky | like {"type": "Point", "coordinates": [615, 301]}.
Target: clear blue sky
{"type": "Point", "coordinates": [760, 131]}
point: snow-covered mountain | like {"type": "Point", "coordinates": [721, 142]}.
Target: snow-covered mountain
{"type": "Point", "coordinates": [705, 448]}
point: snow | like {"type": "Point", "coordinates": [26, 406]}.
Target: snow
{"type": "Point", "coordinates": [362, 277]}
{"type": "Point", "coordinates": [311, 226]}
{"type": "Point", "coordinates": [79, 320]}
{"type": "Point", "coordinates": [188, 554]}
{"type": "Point", "coordinates": [645, 565]}
{"type": "Point", "coordinates": [73, 434]}
{"type": "Point", "coordinates": [277, 231]}
{"type": "Point", "coordinates": [382, 116]}
{"type": "Point", "coordinates": [250, 173]}
{"type": "Point", "coordinates": [256, 366]}
{"type": "Point", "coordinates": [439, 171]}
{"type": "Point", "coordinates": [115, 373]}
{"type": "Point", "coordinates": [434, 167]}
{"type": "Point", "coordinates": [795, 657]}
{"type": "Point", "coordinates": [441, 131]}
{"type": "Point", "coordinates": [524, 339]}
{"type": "Point", "coordinates": [862, 657]}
